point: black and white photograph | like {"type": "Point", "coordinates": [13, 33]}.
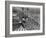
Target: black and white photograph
{"type": "Point", "coordinates": [24, 18]}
